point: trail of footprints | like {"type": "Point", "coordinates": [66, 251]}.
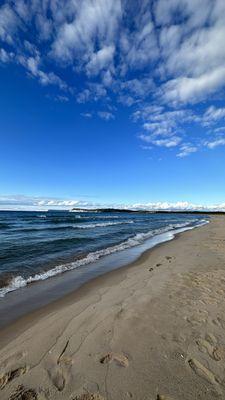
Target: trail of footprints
{"type": "Point", "coordinates": [11, 374]}
{"type": "Point", "coordinates": [169, 259]}
{"type": "Point", "coordinates": [203, 289]}
{"type": "Point", "coordinates": [59, 370]}
{"type": "Point", "coordinates": [59, 374]}
{"type": "Point", "coordinates": [119, 359]}
{"type": "Point", "coordinates": [215, 351]}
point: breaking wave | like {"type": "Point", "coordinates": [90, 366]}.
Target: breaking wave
{"type": "Point", "coordinates": [20, 281]}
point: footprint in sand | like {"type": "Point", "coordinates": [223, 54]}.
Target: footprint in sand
{"type": "Point", "coordinates": [205, 347]}
{"type": "Point", "coordinates": [219, 322]}
{"type": "Point", "coordinates": [211, 338]}
{"type": "Point", "coordinates": [198, 318]}
{"type": "Point", "coordinates": [57, 377]}
{"type": "Point", "coordinates": [59, 372]}
{"type": "Point", "coordinates": [216, 352]}
{"type": "Point", "coordinates": [22, 393]}
{"type": "Point", "coordinates": [119, 359]}
{"type": "Point", "coordinates": [202, 371]}
{"type": "Point", "coordinates": [169, 258]}
{"type": "Point", "coordinates": [10, 375]}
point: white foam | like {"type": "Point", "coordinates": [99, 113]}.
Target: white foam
{"type": "Point", "coordinates": [160, 235]}
{"type": "Point", "coordinates": [102, 224]}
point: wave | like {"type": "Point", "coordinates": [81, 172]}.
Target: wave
{"type": "Point", "coordinates": [68, 227]}
{"type": "Point", "coordinates": [98, 217]}
{"type": "Point", "coordinates": [102, 224]}
{"type": "Point", "coordinates": [19, 281]}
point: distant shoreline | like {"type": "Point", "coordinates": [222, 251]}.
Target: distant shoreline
{"type": "Point", "coordinates": [118, 210]}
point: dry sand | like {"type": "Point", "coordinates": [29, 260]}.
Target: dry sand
{"type": "Point", "coordinates": [153, 330]}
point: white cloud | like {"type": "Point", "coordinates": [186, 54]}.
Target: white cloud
{"type": "Point", "coordinates": [215, 143]}
{"type": "Point", "coordinates": [186, 150]}
{"type": "Point", "coordinates": [87, 115]}
{"type": "Point", "coordinates": [94, 92]}
{"type": "Point", "coordinates": [195, 12]}
{"type": "Point", "coordinates": [177, 206]}
{"type": "Point", "coordinates": [32, 65]}
{"type": "Point", "coordinates": [9, 23]}
{"type": "Point", "coordinates": [192, 48]}
{"type": "Point", "coordinates": [106, 115]}
{"type": "Point", "coordinates": [139, 48]}
{"type": "Point", "coordinates": [213, 115]}
{"type": "Point", "coordinates": [100, 60]}
{"type": "Point", "coordinates": [94, 21]}
{"type": "Point", "coordinates": [192, 90]}
{"type": "Point", "coordinates": [164, 128]}
{"type": "Point", "coordinates": [172, 142]}
{"type": "Point", "coordinates": [6, 57]}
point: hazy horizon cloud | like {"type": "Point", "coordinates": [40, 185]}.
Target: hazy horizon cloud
{"type": "Point", "coordinates": [29, 203]}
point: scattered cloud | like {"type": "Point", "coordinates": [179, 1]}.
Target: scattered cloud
{"type": "Point", "coordinates": [164, 128]}
{"type": "Point", "coordinates": [193, 89]}
{"type": "Point", "coordinates": [106, 115]}
{"type": "Point", "coordinates": [100, 60]}
{"type": "Point", "coordinates": [215, 143]}
{"type": "Point", "coordinates": [9, 23]}
{"type": "Point", "coordinates": [33, 67]}
{"type": "Point", "coordinates": [186, 149]}
{"type": "Point", "coordinates": [87, 115]}
{"type": "Point", "coordinates": [6, 57]}
{"type": "Point", "coordinates": [173, 141]}
{"type": "Point", "coordinates": [213, 115]}
{"type": "Point", "coordinates": [159, 58]}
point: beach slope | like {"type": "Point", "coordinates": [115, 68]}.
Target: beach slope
{"type": "Point", "coordinates": [153, 330]}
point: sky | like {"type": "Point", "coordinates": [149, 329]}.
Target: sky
{"type": "Point", "coordinates": [112, 103]}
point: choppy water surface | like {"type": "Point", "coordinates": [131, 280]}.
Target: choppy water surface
{"type": "Point", "coordinates": [35, 245]}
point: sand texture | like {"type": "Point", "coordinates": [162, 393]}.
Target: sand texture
{"type": "Point", "coordinates": [154, 330]}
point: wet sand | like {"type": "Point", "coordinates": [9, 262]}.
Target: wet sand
{"type": "Point", "coordinates": [153, 330]}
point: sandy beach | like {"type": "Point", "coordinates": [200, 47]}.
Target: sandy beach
{"type": "Point", "coordinates": [153, 330]}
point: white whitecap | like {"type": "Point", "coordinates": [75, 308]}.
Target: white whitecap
{"type": "Point", "coordinates": [19, 282]}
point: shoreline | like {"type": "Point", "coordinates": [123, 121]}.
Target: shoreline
{"type": "Point", "coordinates": [152, 328]}
{"type": "Point", "coordinates": [37, 295]}
{"type": "Point", "coordinates": [19, 282]}
{"type": "Point", "coordinates": [24, 321]}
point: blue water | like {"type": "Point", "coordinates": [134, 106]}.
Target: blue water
{"type": "Point", "coordinates": [37, 245]}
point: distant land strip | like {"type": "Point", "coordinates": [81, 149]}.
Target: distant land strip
{"type": "Point", "coordinates": [118, 210]}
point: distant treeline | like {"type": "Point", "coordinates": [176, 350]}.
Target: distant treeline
{"type": "Point", "coordinates": [118, 210]}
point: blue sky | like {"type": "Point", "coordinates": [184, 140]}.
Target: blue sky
{"type": "Point", "coordinates": [111, 102]}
